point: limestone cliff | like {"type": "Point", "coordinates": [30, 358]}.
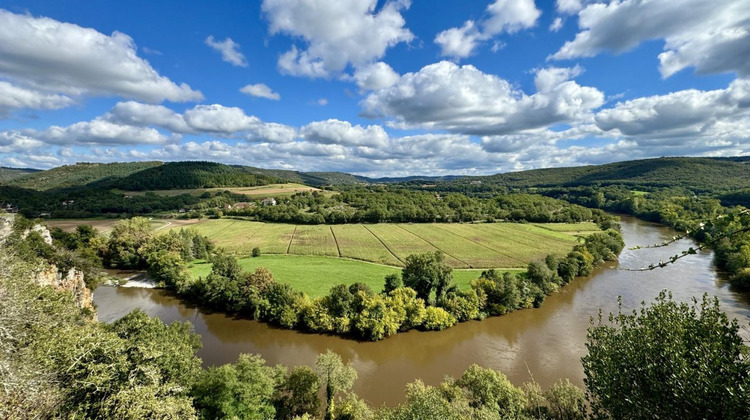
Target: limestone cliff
{"type": "Point", "coordinates": [71, 281]}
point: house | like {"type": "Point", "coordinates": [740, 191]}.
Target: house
{"type": "Point", "coordinates": [68, 202]}
{"type": "Point", "coordinates": [44, 214]}
{"type": "Point", "coordinates": [476, 182]}
{"type": "Point", "coordinates": [9, 208]}
{"type": "Point", "coordinates": [270, 201]}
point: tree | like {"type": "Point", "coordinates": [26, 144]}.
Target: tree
{"type": "Point", "coordinates": [669, 360]}
{"type": "Point", "coordinates": [125, 243]}
{"type": "Point", "coordinates": [566, 401]}
{"type": "Point", "coordinates": [492, 389]}
{"type": "Point", "coordinates": [335, 375]}
{"type": "Point", "coordinates": [240, 390]}
{"type": "Point", "coordinates": [256, 252]}
{"type": "Point", "coordinates": [298, 394]}
{"type": "Point", "coordinates": [426, 273]}
{"type": "Point", "coordinates": [392, 282]}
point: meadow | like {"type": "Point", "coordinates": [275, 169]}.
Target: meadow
{"type": "Point", "coordinates": [316, 275]}
{"type": "Point", "coordinates": [466, 246]}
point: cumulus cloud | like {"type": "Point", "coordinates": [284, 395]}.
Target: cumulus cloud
{"type": "Point", "coordinates": [99, 131]}
{"type": "Point", "coordinates": [690, 116]}
{"type": "Point", "coordinates": [230, 51]}
{"type": "Point", "coordinates": [463, 99]}
{"type": "Point", "coordinates": [336, 33]}
{"type": "Point", "coordinates": [15, 142]}
{"type": "Point", "coordinates": [712, 37]}
{"type": "Point", "coordinates": [145, 115]}
{"type": "Point", "coordinates": [260, 90]}
{"type": "Point", "coordinates": [67, 59]}
{"type": "Point", "coordinates": [229, 122]}
{"type": "Point", "coordinates": [344, 133]}
{"type": "Point", "coordinates": [375, 76]}
{"type": "Point", "coordinates": [503, 16]}
{"type": "Point", "coordinates": [15, 97]}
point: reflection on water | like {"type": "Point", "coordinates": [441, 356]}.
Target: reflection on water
{"type": "Point", "coordinates": [547, 342]}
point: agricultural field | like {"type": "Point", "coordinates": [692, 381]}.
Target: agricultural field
{"type": "Point", "coordinates": [271, 190]}
{"type": "Point", "coordinates": [466, 246]}
{"type": "Point", "coordinates": [316, 275]}
{"type": "Point", "coordinates": [105, 225]}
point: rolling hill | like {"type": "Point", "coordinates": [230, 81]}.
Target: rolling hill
{"type": "Point", "coordinates": [8, 174]}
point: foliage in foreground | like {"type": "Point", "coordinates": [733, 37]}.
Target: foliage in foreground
{"type": "Point", "coordinates": [668, 360]}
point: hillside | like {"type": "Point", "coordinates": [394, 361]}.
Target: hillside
{"type": "Point", "coordinates": [8, 174]}
{"type": "Point", "coordinates": [186, 175]}
{"type": "Point", "coordinates": [78, 175]}
{"type": "Point", "coordinates": [699, 174]}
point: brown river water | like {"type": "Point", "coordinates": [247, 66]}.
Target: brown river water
{"type": "Point", "coordinates": [546, 343]}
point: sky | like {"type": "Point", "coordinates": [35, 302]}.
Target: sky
{"type": "Point", "coordinates": [376, 88]}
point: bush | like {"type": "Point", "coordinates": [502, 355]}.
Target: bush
{"type": "Point", "coordinates": [437, 319]}
{"type": "Point", "coordinates": [256, 252]}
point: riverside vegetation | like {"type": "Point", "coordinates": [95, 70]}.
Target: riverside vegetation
{"type": "Point", "coordinates": [57, 361]}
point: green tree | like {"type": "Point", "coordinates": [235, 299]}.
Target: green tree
{"type": "Point", "coordinates": [566, 401]}
{"type": "Point", "coordinates": [335, 376]}
{"type": "Point", "coordinates": [490, 388]}
{"type": "Point", "coordinates": [256, 252]}
{"type": "Point", "coordinates": [124, 249]}
{"type": "Point", "coordinates": [426, 273]}
{"type": "Point", "coordinates": [392, 282]}
{"type": "Point", "coordinates": [298, 394]}
{"type": "Point", "coordinates": [668, 360]}
{"type": "Point", "coordinates": [242, 390]}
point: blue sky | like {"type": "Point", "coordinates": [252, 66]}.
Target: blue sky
{"type": "Point", "coordinates": [380, 88]}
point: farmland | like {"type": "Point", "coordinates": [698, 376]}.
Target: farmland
{"type": "Point", "coordinates": [316, 275]}
{"type": "Point", "coordinates": [487, 245]}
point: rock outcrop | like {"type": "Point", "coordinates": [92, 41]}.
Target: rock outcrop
{"type": "Point", "coordinates": [71, 281]}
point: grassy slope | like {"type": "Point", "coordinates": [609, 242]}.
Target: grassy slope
{"type": "Point", "coordinates": [8, 174]}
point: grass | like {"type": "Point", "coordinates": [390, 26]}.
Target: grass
{"type": "Point", "coordinates": [316, 275]}
{"type": "Point", "coordinates": [466, 246]}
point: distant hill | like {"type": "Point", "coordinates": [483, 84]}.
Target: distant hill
{"type": "Point", "coordinates": [315, 179]}
{"type": "Point", "coordinates": [188, 175]}
{"type": "Point", "coordinates": [78, 175]}
{"type": "Point", "coordinates": [8, 174]}
{"type": "Point", "coordinates": [699, 174]}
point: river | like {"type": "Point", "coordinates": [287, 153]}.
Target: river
{"type": "Point", "coordinates": [546, 343]}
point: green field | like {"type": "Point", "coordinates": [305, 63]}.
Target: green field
{"type": "Point", "coordinates": [316, 275]}
{"type": "Point", "coordinates": [466, 246]}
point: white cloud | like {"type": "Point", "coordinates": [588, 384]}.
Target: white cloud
{"type": "Point", "coordinates": [230, 51]}
{"type": "Point", "coordinates": [99, 131]}
{"type": "Point", "coordinates": [556, 24]}
{"type": "Point", "coordinates": [15, 97]}
{"type": "Point", "coordinates": [684, 117]}
{"type": "Point", "coordinates": [336, 33]}
{"type": "Point", "coordinates": [145, 115]}
{"type": "Point", "coordinates": [322, 101]}
{"type": "Point", "coordinates": [15, 142]}
{"type": "Point", "coordinates": [503, 16]}
{"type": "Point", "coordinates": [570, 6]}
{"type": "Point", "coordinates": [261, 91]}
{"type": "Point", "coordinates": [711, 36]}
{"type": "Point", "coordinates": [64, 58]}
{"type": "Point", "coordinates": [375, 76]}
{"type": "Point", "coordinates": [344, 133]}
{"type": "Point", "coordinates": [219, 119]}
{"type": "Point", "coordinates": [463, 99]}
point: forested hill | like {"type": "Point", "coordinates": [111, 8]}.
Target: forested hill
{"type": "Point", "coordinates": [78, 175]}
{"type": "Point", "coordinates": [698, 174]}
{"type": "Point", "coordinates": [7, 174]}
{"type": "Point", "coordinates": [188, 175]}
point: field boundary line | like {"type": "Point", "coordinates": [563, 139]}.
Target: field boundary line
{"type": "Point", "coordinates": [386, 246]}
{"type": "Point", "coordinates": [335, 240]}
{"type": "Point", "coordinates": [225, 227]}
{"type": "Point", "coordinates": [480, 244]}
{"type": "Point", "coordinates": [436, 247]}
{"type": "Point", "coordinates": [288, 248]}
